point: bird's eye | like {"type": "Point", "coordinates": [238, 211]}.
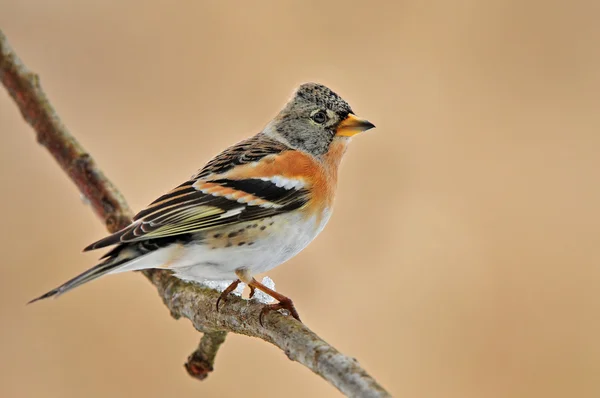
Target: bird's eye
{"type": "Point", "coordinates": [320, 117]}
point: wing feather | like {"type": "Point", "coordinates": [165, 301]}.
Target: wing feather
{"type": "Point", "coordinates": [207, 201]}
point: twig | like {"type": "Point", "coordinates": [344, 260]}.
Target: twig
{"type": "Point", "coordinates": [201, 362]}
{"type": "Point", "coordinates": [24, 87]}
{"type": "Point", "coordinates": [183, 299]}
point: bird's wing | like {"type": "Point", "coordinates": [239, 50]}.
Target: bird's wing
{"type": "Point", "coordinates": [247, 151]}
{"type": "Point", "coordinates": [216, 196]}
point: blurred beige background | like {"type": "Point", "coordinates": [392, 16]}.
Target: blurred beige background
{"type": "Point", "coordinates": [462, 259]}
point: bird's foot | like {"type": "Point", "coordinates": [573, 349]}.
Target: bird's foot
{"type": "Point", "coordinates": [285, 304]}
{"type": "Point", "coordinates": [226, 292]}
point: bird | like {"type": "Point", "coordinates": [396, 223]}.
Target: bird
{"type": "Point", "coordinates": [249, 209]}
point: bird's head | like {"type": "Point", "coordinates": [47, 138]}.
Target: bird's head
{"type": "Point", "coordinates": [316, 116]}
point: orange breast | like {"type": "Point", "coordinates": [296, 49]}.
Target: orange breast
{"type": "Point", "coordinates": [319, 175]}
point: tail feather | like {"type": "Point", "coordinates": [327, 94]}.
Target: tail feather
{"type": "Point", "coordinates": [123, 257]}
{"type": "Point", "coordinates": [99, 270]}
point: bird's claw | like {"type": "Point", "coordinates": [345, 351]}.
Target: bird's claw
{"type": "Point", "coordinates": [282, 305]}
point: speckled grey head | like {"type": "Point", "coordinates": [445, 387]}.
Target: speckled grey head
{"type": "Point", "coordinates": [317, 94]}
{"type": "Point", "coordinates": [313, 117]}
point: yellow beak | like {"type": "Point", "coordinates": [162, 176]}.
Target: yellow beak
{"type": "Point", "coordinates": [353, 125]}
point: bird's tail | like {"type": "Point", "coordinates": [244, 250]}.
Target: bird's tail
{"type": "Point", "coordinates": [114, 259]}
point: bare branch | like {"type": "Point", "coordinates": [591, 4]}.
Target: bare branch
{"type": "Point", "coordinates": [201, 362]}
{"type": "Point", "coordinates": [24, 87]}
{"type": "Point", "coordinates": [183, 299]}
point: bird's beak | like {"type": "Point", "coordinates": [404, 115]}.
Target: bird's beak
{"type": "Point", "coordinates": [353, 125]}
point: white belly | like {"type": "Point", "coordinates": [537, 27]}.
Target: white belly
{"type": "Point", "coordinates": [289, 234]}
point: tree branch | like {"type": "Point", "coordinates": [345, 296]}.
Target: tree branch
{"type": "Point", "coordinates": [191, 301]}
{"type": "Point", "coordinates": [201, 362]}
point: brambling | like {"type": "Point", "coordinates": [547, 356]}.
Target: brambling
{"type": "Point", "coordinates": [252, 207]}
